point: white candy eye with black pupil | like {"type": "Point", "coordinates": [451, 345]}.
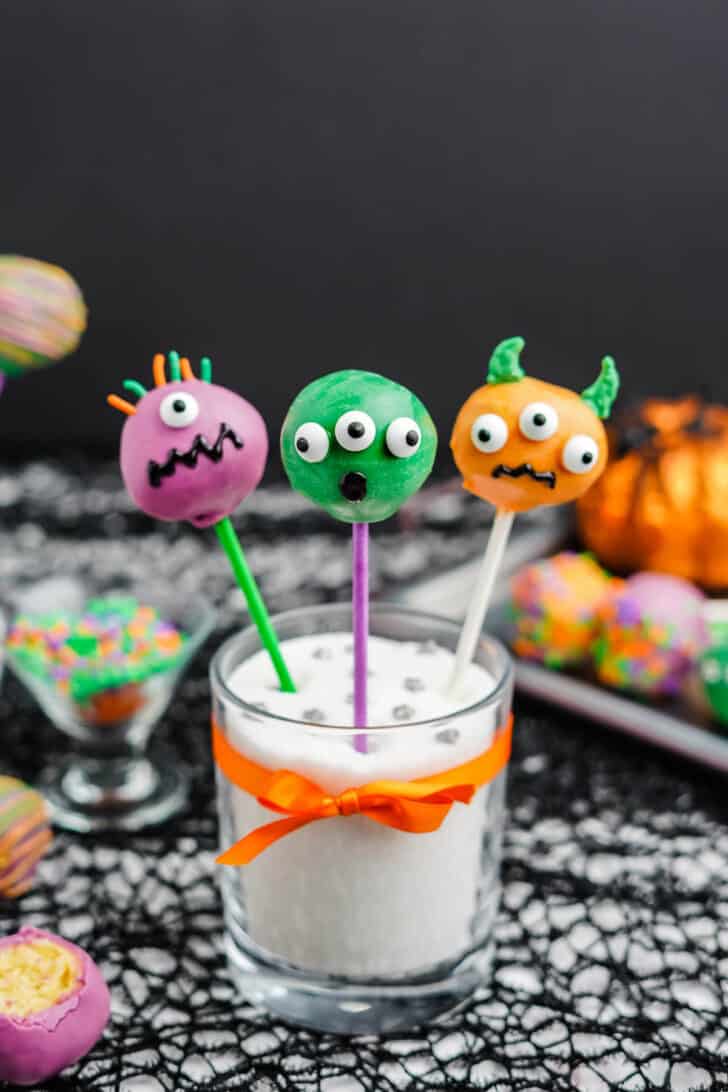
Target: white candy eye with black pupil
{"type": "Point", "coordinates": [489, 433]}
{"type": "Point", "coordinates": [403, 438]}
{"type": "Point", "coordinates": [538, 421]}
{"type": "Point", "coordinates": [355, 430]}
{"type": "Point", "coordinates": [179, 410]}
{"type": "Point", "coordinates": [580, 455]}
{"type": "Point", "coordinates": [311, 442]}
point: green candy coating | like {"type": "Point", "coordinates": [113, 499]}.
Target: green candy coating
{"type": "Point", "coordinates": [714, 673]}
{"type": "Point", "coordinates": [385, 478]}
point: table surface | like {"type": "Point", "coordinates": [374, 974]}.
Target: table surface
{"type": "Point", "coordinates": [611, 968]}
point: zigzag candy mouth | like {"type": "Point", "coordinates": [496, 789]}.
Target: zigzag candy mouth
{"type": "Point", "coordinates": [156, 472]}
{"type": "Point", "coordinates": [546, 477]}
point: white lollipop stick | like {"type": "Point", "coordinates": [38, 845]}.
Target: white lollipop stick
{"type": "Point", "coordinates": [480, 600]}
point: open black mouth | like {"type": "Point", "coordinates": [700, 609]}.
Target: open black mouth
{"type": "Point", "coordinates": [546, 476]}
{"type": "Point", "coordinates": [156, 472]}
{"type": "Point", "coordinates": [353, 486]}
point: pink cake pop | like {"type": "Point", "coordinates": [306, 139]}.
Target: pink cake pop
{"type": "Point", "coordinates": [190, 450]}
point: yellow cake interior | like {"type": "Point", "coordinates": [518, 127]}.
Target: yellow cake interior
{"type": "Point", "coordinates": [34, 976]}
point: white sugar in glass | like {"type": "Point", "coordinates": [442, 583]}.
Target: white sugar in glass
{"type": "Point", "coordinates": [347, 924]}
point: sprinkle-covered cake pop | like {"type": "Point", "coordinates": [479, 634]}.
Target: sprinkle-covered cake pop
{"type": "Point", "coordinates": [54, 1005]}
{"type": "Point", "coordinates": [25, 836]}
{"type": "Point", "coordinates": [650, 634]}
{"type": "Point", "coordinates": [190, 450]}
{"type": "Point", "coordinates": [42, 314]}
{"type": "Point", "coordinates": [521, 442]}
{"type": "Point", "coordinates": [358, 445]}
{"type": "Point", "coordinates": [553, 609]}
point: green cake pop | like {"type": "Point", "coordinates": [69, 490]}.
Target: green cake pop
{"type": "Point", "coordinates": [358, 445]}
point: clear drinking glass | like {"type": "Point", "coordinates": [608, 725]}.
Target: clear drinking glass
{"type": "Point", "coordinates": [113, 779]}
{"type": "Point", "coordinates": [348, 925]}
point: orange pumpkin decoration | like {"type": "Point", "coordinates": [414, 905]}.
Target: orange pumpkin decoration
{"type": "Point", "coordinates": [662, 503]}
{"type": "Point", "coordinates": [520, 443]}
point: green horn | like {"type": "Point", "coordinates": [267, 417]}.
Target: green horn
{"type": "Point", "coordinates": [600, 396]}
{"type": "Point", "coordinates": [504, 366]}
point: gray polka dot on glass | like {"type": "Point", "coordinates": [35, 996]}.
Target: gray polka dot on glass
{"type": "Point", "coordinates": [403, 712]}
{"type": "Point", "coordinates": [414, 685]}
{"type": "Point", "coordinates": [322, 654]}
{"type": "Point", "coordinates": [315, 716]}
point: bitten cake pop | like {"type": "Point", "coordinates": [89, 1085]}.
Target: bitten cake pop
{"type": "Point", "coordinates": [192, 450]}
{"type": "Point", "coordinates": [358, 445]}
{"type": "Point", "coordinates": [25, 836]}
{"type": "Point", "coordinates": [42, 314]}
{"type": "Point", "coordinates": [54, 1005]}
{"type": "Point", "coordinates": [521, 443]}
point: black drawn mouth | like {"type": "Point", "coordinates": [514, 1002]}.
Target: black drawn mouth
{"type": "Point", "coordinates": [156, 472]}
{"type": "Point", "coordinates": [547, 477]}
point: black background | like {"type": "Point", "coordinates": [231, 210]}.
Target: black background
{"type": "Point", "coordinates": [294, 187]}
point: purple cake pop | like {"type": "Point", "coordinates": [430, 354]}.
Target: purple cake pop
{"type": "Point", "coordinates": [54, 1005]}
{"type": "Point", "coordinates": [190, 450]}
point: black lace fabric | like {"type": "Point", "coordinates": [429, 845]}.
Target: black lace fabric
{"type": "Point", "coordinates": [611, 967]}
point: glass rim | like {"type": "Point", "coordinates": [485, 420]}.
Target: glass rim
{"type": "Point", "coordinates": [219, 684]}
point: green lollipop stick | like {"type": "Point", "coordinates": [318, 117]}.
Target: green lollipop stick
{"type": "Point", "coordinates": [258, 612]}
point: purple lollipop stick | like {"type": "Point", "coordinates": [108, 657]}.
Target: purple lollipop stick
{"type": "Point", "coordinates": [360, 618]}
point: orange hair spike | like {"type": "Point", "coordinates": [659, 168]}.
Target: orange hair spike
{"type": "Point", "coordinates": [121, 404]}
{"type": "Point", "coordinates": [160, 378]}
{"type": "Point", "coordinates": [186, 368]}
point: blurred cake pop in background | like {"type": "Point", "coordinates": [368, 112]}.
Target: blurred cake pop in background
{"type": "Point", "coordinates": [553, 608]}
{"type": "Point", "coordinates": [650, 635]}
{"type": "Point", "coordinates": [42, 314]}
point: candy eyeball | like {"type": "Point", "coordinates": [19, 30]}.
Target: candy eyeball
{"type": "Point", "coordinates": [179, 410]}
{"type": "Point", "coordinates": [538, 421]}
{"type": "Point", "coordinates": [312, 442]}
{"type": "Point", "coordinates": [580, 454]}
{"type": "Point", "coordinates": [403, 438]}
{"type": "Point", "coordinates": [369, 445]}
{"type": "Point", "coordinates": [355, 430]}
{"type": "Point", "coordinates": [489, 433]}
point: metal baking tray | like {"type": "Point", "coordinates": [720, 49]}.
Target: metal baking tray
{"type": "Point", "coordinates": [672, 725]}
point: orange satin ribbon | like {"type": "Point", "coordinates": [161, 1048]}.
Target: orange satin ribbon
{"type": "Point", "coordinates": [418, 806]}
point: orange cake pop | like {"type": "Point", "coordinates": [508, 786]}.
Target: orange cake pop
{"type": "Point", "coordinates": [521, 442]}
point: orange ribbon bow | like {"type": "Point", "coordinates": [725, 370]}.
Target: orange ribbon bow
{"type": "Point", "coordinates": [418, 806]}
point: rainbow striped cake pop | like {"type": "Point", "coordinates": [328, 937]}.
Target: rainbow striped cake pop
{"type": "Point", "coordinates": [42, 314]}
{"type": "Point", "coordinates": [25, 835]}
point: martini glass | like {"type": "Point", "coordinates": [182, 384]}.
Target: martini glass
{"type": "Point", "coordinates": [115, 778]}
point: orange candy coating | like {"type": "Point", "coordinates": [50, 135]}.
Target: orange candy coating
{"type": "Point", "coordinates": [508, 401]}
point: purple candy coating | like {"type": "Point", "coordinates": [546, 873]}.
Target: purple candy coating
{"type": "Point", "coordinates": [36, 1047]}
{"type": "Point", "coordinates": [211, 474]}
